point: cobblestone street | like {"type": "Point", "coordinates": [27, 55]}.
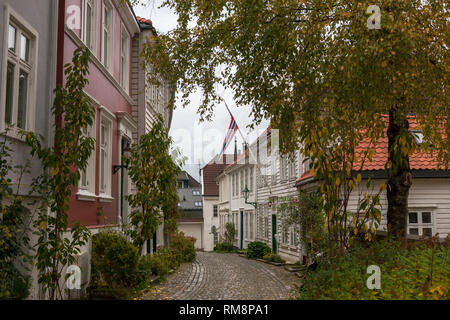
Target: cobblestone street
{"type": "Point", "coordinates": [215, 276]}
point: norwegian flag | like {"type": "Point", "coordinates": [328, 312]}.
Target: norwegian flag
{"type": "Point", "coordinates": [230, 134]}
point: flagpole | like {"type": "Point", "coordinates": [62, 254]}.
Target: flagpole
{"type": "Point", "coordinates": [239, 129]}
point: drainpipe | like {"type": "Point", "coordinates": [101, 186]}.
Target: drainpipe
{"type": "Point", "coordinates": [60, 53]}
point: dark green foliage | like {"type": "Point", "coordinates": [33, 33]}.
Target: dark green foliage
{"type": "Point", "coordinates": [74, 111]}
{"type": "Point", "coordinates": [14, 230]}
{"type": "Point", "coordinates": [273, 257]}
{"type": "Point", "coordinates": [162, 261]}
{"type": "Point", "coordinates": [257, 249]}
{"type": "Point", "coordinates": [114, 259]}
{"type": "Point", "coordinates": [183, 247]}
{"type": "Point", "coordinates": [416, 271]}
{"type": "Point", "coordinates": [224, 247]}
{"type": "Point", "coordinates": [153, 171]}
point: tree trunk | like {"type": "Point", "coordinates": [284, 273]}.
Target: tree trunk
{"type": "Point", "coordinates": [399, 178]}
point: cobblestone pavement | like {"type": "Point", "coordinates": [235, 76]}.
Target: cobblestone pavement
{"type": "Point", "coordinates": [215, 276]}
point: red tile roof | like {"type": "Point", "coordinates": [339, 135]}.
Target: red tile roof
{"type": "Point", "coordinates": [144, 21]}
{"type": "Point", "coordinates": [419, 160]}
{"type": "Point", "coordinates": [210, 173]}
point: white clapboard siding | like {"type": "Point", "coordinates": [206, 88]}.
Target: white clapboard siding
{"type": "Point", "coordinates": [432, 194]}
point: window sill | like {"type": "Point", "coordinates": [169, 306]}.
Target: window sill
{"type": "Point", "coordinates": [14, 133]}
{"type": "Point", "coordinates": [105, 198]}
{"type": "Point", "coordinates": [84, 195]}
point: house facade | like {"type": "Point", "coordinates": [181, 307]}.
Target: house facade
{"type": "Point", "coordinates": [276, 177]}
{"type": "Point", "coordinates": [211, 203]}
{"type": "Point", "coordinates": [28, 49]}
{"type": "Point", "coordinates": [191, 208]}
{"type": "Point", "coordinates": [149, 101]}
{"type": "Point", "coordinates": [429, 195]}
{"type": "Point", "coordinates": [232, 206]}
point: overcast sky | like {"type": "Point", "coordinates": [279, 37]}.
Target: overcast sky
{"type": "Point", "coordinates": [200, 141]}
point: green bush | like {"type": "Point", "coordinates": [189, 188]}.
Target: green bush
{"type": "Point", "coordinates": [257, 249]}
{"type": "Point", "coordinates": [115, 260]}
{"type": "Point", "coordinates": [161, 263]}
{"type": "Point", "coordinates": [13, 285]}
{"type": "Point", "coordinates": [224, 247]}
{"type": "Point", "coordinates": [417, 271]}
{"type": "Point", "coordinates": [273, 257]}
{"type": "Point", "coordinates": [183, 247]}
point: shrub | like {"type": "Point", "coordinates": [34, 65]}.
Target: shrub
{"type": "Point", "coordinates": [273, 257]}
{"type": "Point", "coordinates": [224, 247]}
{"type": "Point", "coordinates": [419, 271]}
{"type": "Point", "coordinates": [160, 263]}
{"type": "Point", "coordinates": [114, 260]}
{"type": "Point", "coordinates": [183, 247]}
{"type": "Point", "coordinates": [229, 234]}
{"type": "Point", "coordinates": [257, 249]}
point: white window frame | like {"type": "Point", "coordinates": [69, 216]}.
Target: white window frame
{"type": "Point", "coordinates": [30, 67]}
{"type": "Point", "coordinates": [87, 192]}
{"type": "Point", "coordinates": [246, 225]}
{"type": "Point", "coordinates": [105, 191]}
{"type": "Point", "coordinates": [251, 182]}
{"type": "Point", "coordinates": [93, 29]}
{"type": "Point", "coordinates": [292, 171]}
{"type": "Point", "coordinates": [108, 62]}
{"type": "Point", "coordinates": [420, 225]}
{"type": "Point", "coordinates": [125, 56]}
{"type": "Point", "coordinates": [251, 226]}
{"type": "Point", "coordinates": [284, 168]}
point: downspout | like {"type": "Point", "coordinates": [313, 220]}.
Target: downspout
{"type": "Point", "coordinates": [60, 53]}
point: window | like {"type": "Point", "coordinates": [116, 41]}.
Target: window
{"type": "Point", "coordinates": [292, 171]}
{"type": "Point", "coordinates": [215, 210]}
{"type": "Point", "coordinates": [195, 193]}
{"type": "Point", "coordinates": [285, 236]}
{"type": "Point", "coordinates": [294, 236]}
{"type": "Point", "coordinates": [18, 103]}
{"type": "Point", "coordinates": [89, 24]}
{"type": "Point", "coordinates": [266, 228]}
{"type": "Point", "coordinates": [198, 203]}
{"type": "Point", "coordinates": [246, 225]}
{"type": "Point", "coordinates": [124, 59]}
{"type": "Point", "coordinates": [241, 187]}
{"type": "Point", "coordinates": [420, 223]}
{"type": "Point", "coordinates": [105, 156]}
{"type": "Point", "coordinates": [86, 184]}
{"type": "Point", "coordinates": [251, 183]}
{"type": "Point", "coordinates": [251, 225]}
{"type": "Point", "coordinates": [180, 184]}
{"type": "Point", "coordinates": [283, 168]}
{"type": "Point", "coordinates": [107, 33]}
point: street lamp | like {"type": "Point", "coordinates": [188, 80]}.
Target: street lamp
{"type": "Point", "coordinates": [126, 151]}
{"type": "Point", "coordinates": [245, 193]}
